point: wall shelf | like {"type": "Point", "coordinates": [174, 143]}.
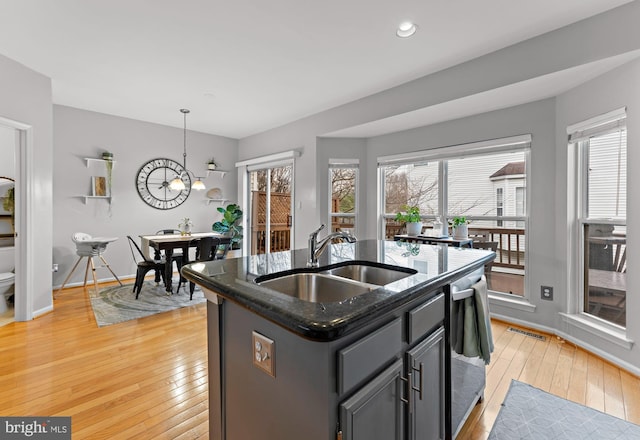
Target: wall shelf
{"type": "Point", "coordinates": [88, 160]}
{"type": "Point", "coordinates": [214, 172]}
{"type": "Point", "coordinates": [86, 198]}
{"type": "Point", "coordinates": [221, 201]}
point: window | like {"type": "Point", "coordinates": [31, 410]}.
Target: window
{"type": "Point", "coordinates": [343, 188]}
{"type": "Point", "coordinates": [412, 184]}
{"type": "Point", "coordinates": [499, 204]}
{"type": "Point", "coordinates": [602, 148]}
{"type": "Point", "coordinates": [484, 182]}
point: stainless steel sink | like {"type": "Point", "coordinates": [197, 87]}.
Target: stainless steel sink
{"type": "Point", "coordinates": [334, 283]}
{"type": "Point", "coordinates": [316, 287]}
{"type": "Point", "coordinates": [364, 273]}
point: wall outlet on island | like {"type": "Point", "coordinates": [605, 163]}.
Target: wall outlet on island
{"type": "Point", "coordinates": [546, 292]}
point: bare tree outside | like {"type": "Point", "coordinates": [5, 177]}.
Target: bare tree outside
{"type": "Point", "coordinates": [404, 186]}
{"type": "Point", "coordinates": [343, 185]}
{"type": "Point", "coordinates": [281, 179]}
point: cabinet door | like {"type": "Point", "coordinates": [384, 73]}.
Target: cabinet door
{"type": "Point", "coordinates": [427, 407]}
{"type": "Point", "coordinates": [375, 412]}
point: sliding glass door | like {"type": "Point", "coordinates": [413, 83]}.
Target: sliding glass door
{"type": "Point", "coordinates": [271, 213]}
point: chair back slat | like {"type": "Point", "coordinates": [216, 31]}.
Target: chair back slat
{"type": "Point", "coordinates": [133, 245]}
{"type": "Point", "coordinates": [207, 248]}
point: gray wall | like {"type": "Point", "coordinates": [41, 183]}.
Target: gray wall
{"type": "Point", "coordinates": [550, 242]}
{"type": "Point", "coordinates": [25, 97]}
{"type": "Point", "coordinates": [79, 134]}
{"type": "Point", "coordinates": [616, 89]}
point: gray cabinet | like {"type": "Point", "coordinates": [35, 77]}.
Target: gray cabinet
{"type": "Point", "coordinates": [407, 399]}
{"type": "Point", "coordinates": [376, 411]}
{"type": "Point", "coordinates": [427, 401]}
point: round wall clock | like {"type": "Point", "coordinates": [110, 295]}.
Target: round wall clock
{"type": "Point", "coordinates": [152, 183]}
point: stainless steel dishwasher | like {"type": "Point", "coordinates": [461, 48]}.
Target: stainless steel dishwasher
{"type": "Point", "coordinates": [468, 375]}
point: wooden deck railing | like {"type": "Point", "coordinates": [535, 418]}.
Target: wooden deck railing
{"type": "Point", "coordinates": [510, 249]}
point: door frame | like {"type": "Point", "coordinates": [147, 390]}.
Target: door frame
{"type": "Point", "coordinates": [245, 167]}
{"type": "Point", "coordinates": [24, 224]}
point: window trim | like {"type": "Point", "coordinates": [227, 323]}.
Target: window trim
{"type": "Point", "coordinates": [458, 151]}
{"type": "Point", "coordinates": [579, 135]}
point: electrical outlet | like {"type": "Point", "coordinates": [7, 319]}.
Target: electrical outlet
{"type": "Point", "coordinates": [264, 353]}
{"type": "Point", "coordinates": [546, 292]}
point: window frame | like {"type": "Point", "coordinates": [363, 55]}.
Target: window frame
{"type": "Point", "coordinates": [344, 164]}
{"type": "Point", "coordinates": [579, 136]}
{"type": "Point", "coordinates": [443, 155]}
{"type": "Point", "coordinates": [245, 168]}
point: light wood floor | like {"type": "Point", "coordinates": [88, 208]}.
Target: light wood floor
{"type": "Point", "coordinates": [147, 379]}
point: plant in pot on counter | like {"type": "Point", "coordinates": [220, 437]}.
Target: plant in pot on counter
{"type": "Point", "coordinates": [230, 224]}
{"type": "Point", "coordinates": [410, 216]}
{"type": "Point", "coordinates": [459, 224]}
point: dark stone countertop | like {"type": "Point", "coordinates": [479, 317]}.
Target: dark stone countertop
{"type": "Point", "coordinates": [436, 265]}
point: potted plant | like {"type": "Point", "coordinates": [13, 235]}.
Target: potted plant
{"type": "Point", "coordinates": [230, 223]}
{"type": "Point", "coordinates": [211, 165]}
{"type": "Point", "coordinates": [108, 158]}
{"type": "Point", "coordinates": [459, 224]}
{"type": "Point", "coordinates": [9, 204]}
{"type": "Point", "coordinates": [410, 216]}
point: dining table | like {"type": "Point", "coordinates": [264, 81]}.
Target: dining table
{"type": "Point", "coordinates": [169, 242]}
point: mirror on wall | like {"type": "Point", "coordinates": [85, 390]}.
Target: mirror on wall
{"type": "Point", "coordinates": [7, 210]}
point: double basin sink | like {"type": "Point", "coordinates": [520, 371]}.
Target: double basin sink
{"type": "Point", "coordinates": [333, 283]}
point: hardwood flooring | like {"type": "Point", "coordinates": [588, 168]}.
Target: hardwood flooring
{"type": "Point", "coordinates": [147, 378]}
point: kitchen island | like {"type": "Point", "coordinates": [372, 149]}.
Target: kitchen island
{"type": "Point", "coordinates": [374, 365]}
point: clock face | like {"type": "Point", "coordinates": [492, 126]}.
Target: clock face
{"type": "Point", "coordinates": [152, 183]}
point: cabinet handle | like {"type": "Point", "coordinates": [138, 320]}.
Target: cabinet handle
{"type": "Point", "coordinates": [421, 383]}
{"type": "Point", "coordinates": [409, 381]}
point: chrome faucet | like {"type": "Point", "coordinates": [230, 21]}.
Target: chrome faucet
{"type": "Point", "coordinates": [317, 247]}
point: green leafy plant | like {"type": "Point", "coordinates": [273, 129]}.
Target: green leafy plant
{"type": "Point", "coordinates": [411, 214]}
{"type": "Point", "coordinates": [457, 221]}
{"type": "Point", "coordinates": [8, 203]}
{"type": "Point", "coordinates": [230, 222]}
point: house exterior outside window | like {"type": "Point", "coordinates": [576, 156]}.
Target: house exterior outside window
{"type": "Point", "coordinates": [601, 145]}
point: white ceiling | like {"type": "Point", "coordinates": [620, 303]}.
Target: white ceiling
{"type": "Point", "coordinates": [246, 66]}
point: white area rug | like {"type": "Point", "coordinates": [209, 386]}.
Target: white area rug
{"type": "Point", "coordinates": [118, 303]}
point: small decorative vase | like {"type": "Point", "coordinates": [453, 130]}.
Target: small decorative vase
{"type": "Point", "coordinates": [211, 166]}
{"type": "Point", "coordinates": [185, 229]}
{"type": "Point", "coordinates": [461, 232]}
{"type": "Point", "coordinates": [414, 228]}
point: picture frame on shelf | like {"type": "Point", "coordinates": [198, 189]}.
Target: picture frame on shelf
{"type": "Point", "coordinates": [99, 186]}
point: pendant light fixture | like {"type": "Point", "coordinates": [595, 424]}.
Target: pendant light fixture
{"type": "Point", "coordinates": [177, 184]}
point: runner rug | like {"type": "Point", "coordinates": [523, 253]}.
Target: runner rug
{"type": "Point", "coordinates": [530, 413]}
{"type": "Point", "coordinates": [118, 303]}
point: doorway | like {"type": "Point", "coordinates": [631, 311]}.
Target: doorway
{"type": "Point", "coordinates": [271, 212]}
{"type": "Point", "coordinates": [8, 149]}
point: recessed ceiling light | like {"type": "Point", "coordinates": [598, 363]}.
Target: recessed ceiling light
{"type": "Point", "coordinates": [406, 29]}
